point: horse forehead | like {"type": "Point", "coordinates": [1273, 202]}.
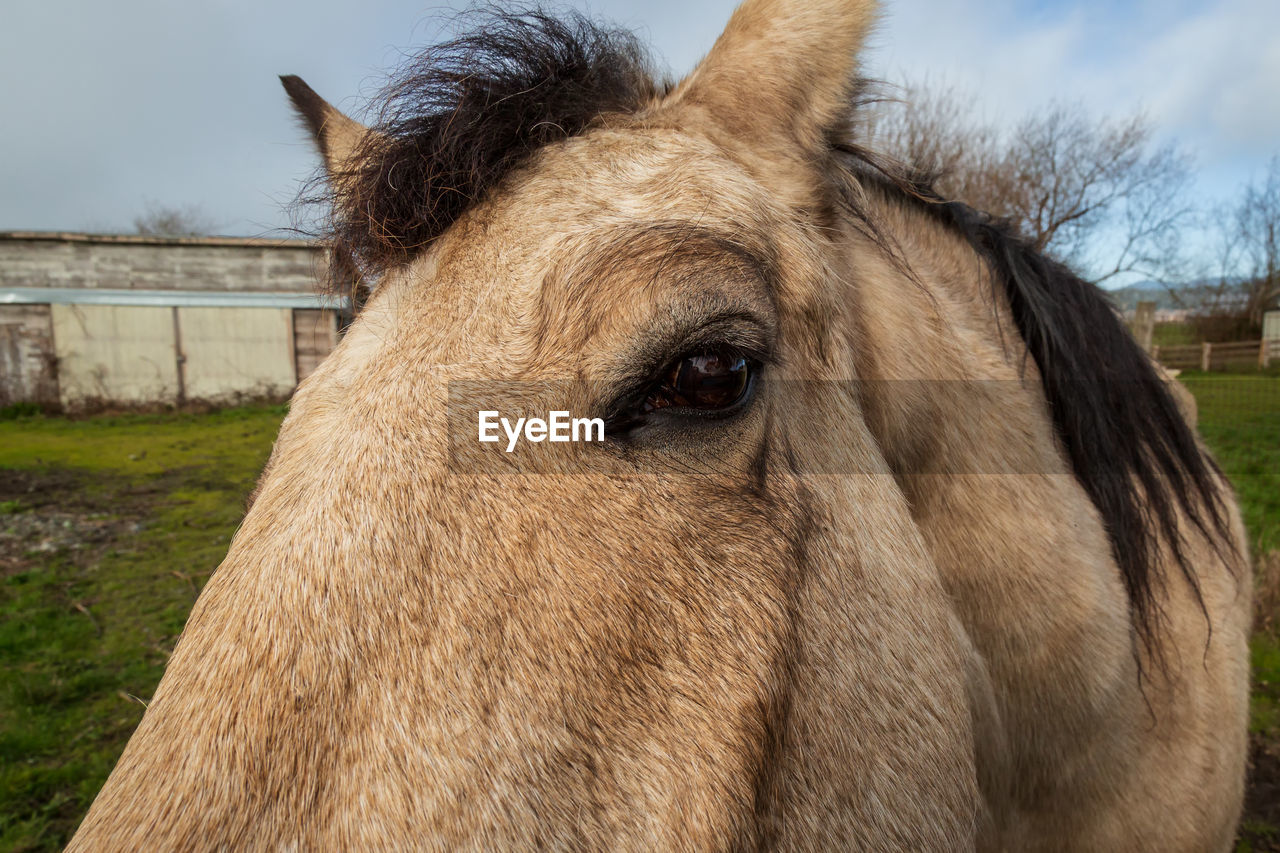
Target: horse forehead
{"type": "Point", "coordinates": [581, 233]}
{"type": "Point", "coordinates": [635, 174]}
{"type": "Point", "coordinates": [588, 198]}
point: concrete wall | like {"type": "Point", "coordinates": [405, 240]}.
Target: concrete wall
{"type": "Point", "coordinates": [29, 259]}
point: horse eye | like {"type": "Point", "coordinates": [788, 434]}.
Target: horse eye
{"type": "Point", "coordinates": [709, 381]}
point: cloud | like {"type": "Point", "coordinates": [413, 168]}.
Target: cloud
{"type": "Point", "coordinates": [109, 105]}
{"type": "Point", "coordinates": [1206, 73]}
{"type": "Point", "coordinates": [113, 104]}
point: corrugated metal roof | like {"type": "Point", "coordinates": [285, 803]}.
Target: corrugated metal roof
{"type": "Point", "coordinates": [162, 298]}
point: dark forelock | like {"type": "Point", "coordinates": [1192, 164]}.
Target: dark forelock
{"type": "Point", "coordinates": [464, 113]}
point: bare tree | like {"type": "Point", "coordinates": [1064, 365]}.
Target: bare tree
{"type": "Point", "coordinates": [1257, 232]}
{"type": "Point", "coordinates": [1096, 193]}
{"type": "Point", "coordinates": [936, 130]}
{"type": "Point", "coordinates": [159, 220]}
{"type": "Point", "coordinates": [1217, 290]}
{"type": "Point", "coordinates": [1216, 299]}
{"type": "Point", "coordinates": [1242, 280]}
{"type": "Point", "coordinates": [1071, 180]}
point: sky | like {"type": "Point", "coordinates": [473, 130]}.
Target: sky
{"type": "Point", "coordinates": [110, 107]}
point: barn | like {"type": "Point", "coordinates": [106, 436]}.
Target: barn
{"type": "Point", "coordinates": [94, 319]}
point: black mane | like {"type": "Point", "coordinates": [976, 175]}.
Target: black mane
{"type": "Point", "coordinates": [465, 113]}
{"type": "Point", "coordinates": [1128, 444]}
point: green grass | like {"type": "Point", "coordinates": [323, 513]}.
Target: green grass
{"type": "Point", "coordinates": [84, 630]}
{"type": "Point", "coordinates": [1240, 421]}
{"type": "Point", "coordinates": [86, 627]}
{"type": "Point", "coordinates": [229, 442]}
{"type": "Point", "coordinates": [1174, 335]}
{"type": "Point", "coordinates": [1265, 719]}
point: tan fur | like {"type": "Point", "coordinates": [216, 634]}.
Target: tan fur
{"type": "Point", "coordinates": [1083, 762]}
{"type": "Point", "coordinates": [786, 638]}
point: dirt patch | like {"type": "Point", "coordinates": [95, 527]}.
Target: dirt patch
{"type": "Point", "coordinates": [44, 532]}
{"type": "Point", "coordinates": [39, 489]}
{"type": "Point", "coordinates": [1260, 827]}
{"type": "Point", "coordinates": [49, 511]}
{"type": "Point", "coordinates": [1261, 824]}
{"type": "Point", "coordinates": [1266, 594]}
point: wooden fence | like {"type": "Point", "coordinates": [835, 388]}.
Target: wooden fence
{"type": "Point", "coordinates": [1220, 356]}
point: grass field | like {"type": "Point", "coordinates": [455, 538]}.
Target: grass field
{"type": "Point", "coordinates": [1240, 421]}
{"type": "Point", "coordinates": [109, 526]}
{"type": "Point", "coordinates": [1174, 335]}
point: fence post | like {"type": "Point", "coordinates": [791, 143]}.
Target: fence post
{"type": "Point", "coordinates": [1206, 350]}
{"type": "Point", "coordinates": [1264, 353]}
{"type": "Point", "coordinates": [1144, 323]}
{"type": "Point", "coordinates": [1155, 352]}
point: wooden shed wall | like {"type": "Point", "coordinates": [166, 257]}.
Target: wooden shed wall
{"type": "Point", "coordinates": [28, 367]}
{"type": "Point", "coordinates": [315, 334]}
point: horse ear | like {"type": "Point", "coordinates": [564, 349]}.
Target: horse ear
{"type": "Point", "coordinates": [337, 136]}
{"type": "Point", "coordinates": [782, 68]}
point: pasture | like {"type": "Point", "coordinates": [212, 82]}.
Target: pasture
{"type": "Point", "coordinates": [110, 525]}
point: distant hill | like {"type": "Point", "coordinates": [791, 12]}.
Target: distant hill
{"type": "Point", "coordinates": [1126, 298]}
{"type": "Point", "coordinates": [1193, 293]}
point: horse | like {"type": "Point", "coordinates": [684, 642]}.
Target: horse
{"type": "Point", "coordinates": [895, 539]}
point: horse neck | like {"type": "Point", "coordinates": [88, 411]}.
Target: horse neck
{"type": "Point", "coordinates": [943, 368]}
{"type": "Point", "coordinates": [952, 399]}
